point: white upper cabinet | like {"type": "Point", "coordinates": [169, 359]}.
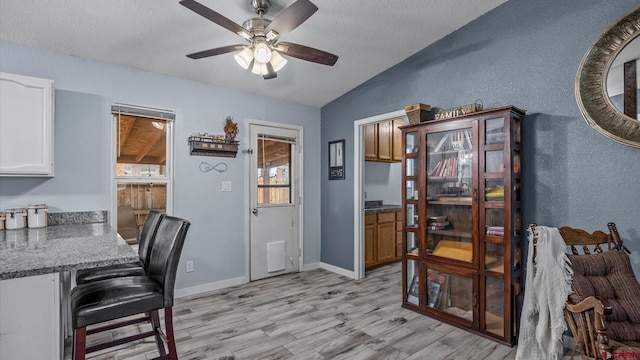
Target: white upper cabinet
{"type": "Point", "coordinates": [26, 126]}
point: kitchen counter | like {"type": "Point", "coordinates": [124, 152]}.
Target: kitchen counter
{"type": "Point", "coordinates": [29, 252]}
{"type": "Point", "coordinates": [35, 274]}
{"type": "Point", "coordinates": [382, 208]}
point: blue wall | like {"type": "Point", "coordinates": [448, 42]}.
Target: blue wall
{"type": "Point", "coordinates": [85, 91]}
{"type": "Point", "coordinates": [523, 53]}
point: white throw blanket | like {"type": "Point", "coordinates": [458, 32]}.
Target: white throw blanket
{"type": "Point", "coordinates": [547, 287]}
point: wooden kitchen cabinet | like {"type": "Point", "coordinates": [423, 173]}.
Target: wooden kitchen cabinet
{"type": "Point", "coordinates": [370, 240]}
{"type": "Point", "coordinates": [383, 141]}
{"type": "Point", "coordinates": [462, 221]}
{"type": "Point", "coordinates": [26, 126]}
{"type": "Point", "coordinates": [371, 142]}
{"type": "Point", "coordinates": [380, 239]}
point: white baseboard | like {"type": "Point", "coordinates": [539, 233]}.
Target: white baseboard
{"type": "Point", "coordinates": [338, 270]}
{"type": "Point", "coordinates": [194, 290]}
{"type": "Point", "coordinates": [312, 266]}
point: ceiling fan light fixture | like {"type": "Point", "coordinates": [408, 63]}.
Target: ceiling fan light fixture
{"type": "Point", "coordinates": [244, 57]}
{"type": "Point", "coordinates": [259, 68]}
{"type": "Point", "coordinates": [262, 53]}
{"type": "Point", "coordinates": [277, 61]}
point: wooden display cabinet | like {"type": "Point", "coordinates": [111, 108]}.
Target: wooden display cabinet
{"type": "Point", "coordinates": [462, 227]}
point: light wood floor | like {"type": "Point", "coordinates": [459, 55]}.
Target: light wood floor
{"type": "Point", "coordinates": [310, 315]}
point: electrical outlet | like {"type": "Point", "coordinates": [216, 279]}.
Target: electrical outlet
{"type": "Point", "coordinates": [225, 186]}
{"type": "Point", "coordinates": [189, 266]}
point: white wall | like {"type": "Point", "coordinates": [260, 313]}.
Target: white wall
{"type": "Point", "coordinates": [85, 90]}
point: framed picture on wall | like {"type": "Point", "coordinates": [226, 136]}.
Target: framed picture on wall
{"type": "Point", "coordinates": [336, 160]}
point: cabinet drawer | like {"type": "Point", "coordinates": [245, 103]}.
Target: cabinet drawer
{"type": "Point", "coordinates": [386, 217]}
{"type": "Point", "coordinates": [399, 215]}
{"type": "Point", "coordinates": [370, 219]}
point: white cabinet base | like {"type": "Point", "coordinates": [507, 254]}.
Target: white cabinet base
{"type": "Point", "coordinates": [30, 318]}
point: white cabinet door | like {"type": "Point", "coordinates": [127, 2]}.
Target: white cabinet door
{"type": "Point", "coordinates": [26, 126]}
{"type": "Point", "coordinates": [30, 318]}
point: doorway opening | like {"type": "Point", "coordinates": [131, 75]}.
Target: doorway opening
{"type": "Point", "coordinates": [142, 175]}
{"type": "Point", "coordinates": [359, 185]}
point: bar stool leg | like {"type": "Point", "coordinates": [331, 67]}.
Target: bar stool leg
{"type": "Point", "coordinates": [79, 350]}
{"type": "Point", "coordinates": [155, 323]}
{"type": "Point", "coordinates": [171, 340]}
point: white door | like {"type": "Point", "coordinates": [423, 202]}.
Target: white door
{"type": "Point", "coordinates": [274, 229]}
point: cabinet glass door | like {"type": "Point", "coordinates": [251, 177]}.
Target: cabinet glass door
{"type": "Point", "coordinates": [412, 281]}
{"type": "Point", "coordinates": [449, 194]}
{"type": "Point", "coordinates": [494, 306]}
{"type": "Point", "coordinates": [450, 293]}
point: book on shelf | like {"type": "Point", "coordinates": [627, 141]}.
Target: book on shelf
{"type": "Point", "coordinates": [494, 192]}
{"type": "Point", "coordinates": [441, 142]}
{"type": "Point", "coordinates": [494, 230]}
{"type": "Point", "coordinates": [436, 227]}
{"type": "Point", "coordinates": [413, 251]}
{"type": "Point", "coordinates": [436, 218]}
{"type": "Point", "coordinates": [412, 292]}
{"type": "Point", "coordinates": [467, 136]}
{"type": "Point", "coordinates": [436, 289]}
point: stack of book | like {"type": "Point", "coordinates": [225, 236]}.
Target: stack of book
{"type": "Point", "coordinates": [495, 231]}
{"type": "Point", "coordinates": [437, 222]}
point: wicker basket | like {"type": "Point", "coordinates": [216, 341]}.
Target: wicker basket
{"type": "Point", "coordinates": [417, 112]}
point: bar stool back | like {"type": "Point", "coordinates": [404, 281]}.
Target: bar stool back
{"type": "Point", "coordinates": [138, 268]}
{"type": "Point", "coordinates": [116, 298]}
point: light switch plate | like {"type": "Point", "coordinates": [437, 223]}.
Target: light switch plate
{"type": "Point", "coordinates": [226, 186]}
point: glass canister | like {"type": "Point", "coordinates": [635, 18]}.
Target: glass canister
{"type": "Point", "coordinates": [15, 218]}
{"type": "Point", "coordinates": [37, 215]}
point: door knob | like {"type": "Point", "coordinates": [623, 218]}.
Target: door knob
{"type": "Point", "coordinates": [255, 211]}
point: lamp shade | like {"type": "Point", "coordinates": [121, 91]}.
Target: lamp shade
{"type": "Point", "coordinates": [244, 57]}
{"type": "Point", "coordinates": [277, 61]}
{"type": "Point", "coordinates": [259, 68]}
{"type": "Point", "coordinates": [262, 53]}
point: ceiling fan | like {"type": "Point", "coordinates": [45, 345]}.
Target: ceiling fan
{"type": "Point", "coordinates": [264, 50]}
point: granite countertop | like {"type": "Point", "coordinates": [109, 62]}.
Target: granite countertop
{"type": "Point", "coordinates": [382, 208]}
{"type": "Point", "coordinates": [28, 252]}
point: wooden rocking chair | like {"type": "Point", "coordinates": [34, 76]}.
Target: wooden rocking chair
{"type": "Point", "coordinates": [603, 310]}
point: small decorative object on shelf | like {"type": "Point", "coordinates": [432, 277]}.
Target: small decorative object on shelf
{"type": "Point", "coordinates": [417, 112]}
{"type": "Point", "coordinates": [460, 110]}
{"type": "Point", "coordinates": [230, 129]}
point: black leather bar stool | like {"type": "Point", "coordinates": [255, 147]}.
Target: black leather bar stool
{"type": "Point", "coordinates": [112, 299]}
{"type": "Point", "coordinates": [149, 230]}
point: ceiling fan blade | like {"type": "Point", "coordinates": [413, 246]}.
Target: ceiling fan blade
{"type": "Point", "coordinates": [292, 16]}
{"type": "Point", "coordinates": [216, 51]}
{"type": "Point", "coordinates": [272, 74]}
{"type": "Point", "coordinates": [307, 53]}
{"type": "Point", "coordinates": [216, 17]}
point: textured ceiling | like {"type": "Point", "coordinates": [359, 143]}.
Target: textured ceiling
{"type": "Point", "coordinates": [369, 36]}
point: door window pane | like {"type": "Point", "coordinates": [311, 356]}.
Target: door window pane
{"type": "Point", "coordinates": [274, 169]}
